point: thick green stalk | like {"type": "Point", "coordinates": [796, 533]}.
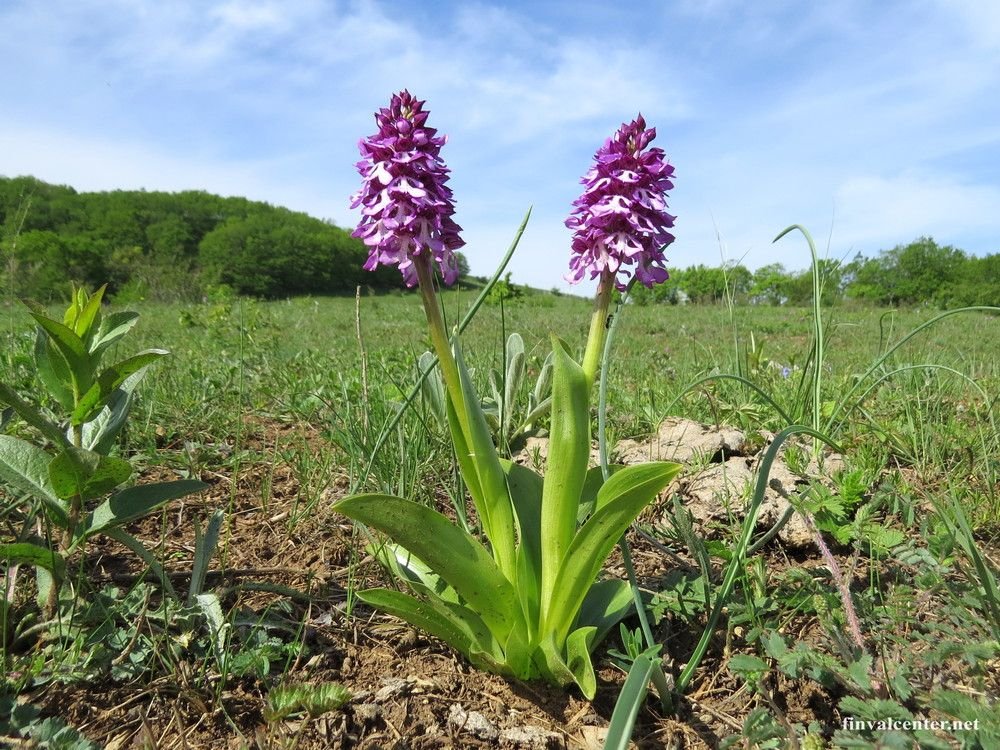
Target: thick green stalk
{"type": "Point", "coordinates": [442, 347]}
{"type": "Point", "coordinates": [598, 328]}
{"type": "Point", "coordinates": [493, 502]}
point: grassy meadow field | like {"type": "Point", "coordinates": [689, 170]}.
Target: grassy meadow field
{"type": "Point", "coordinates": [278, 408]}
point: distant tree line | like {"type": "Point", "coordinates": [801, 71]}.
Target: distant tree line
{"type": "Point", "coordinates": [170, 245]}
{"type": "Point", "coordinates": [920, 273]}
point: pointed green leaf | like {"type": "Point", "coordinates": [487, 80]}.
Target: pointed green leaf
{"type": "Point", "coordinates": [72, 349]}
{"type": "Point", "coordinates": [512, 380]}
{"type": "Point", "coordinates": [112, 328]}
{"type": "Point", "coordinates": [451, 553]}
{"type": "Point", "coordinates": [432, 387]}
{"type": "Point", "coordinates": [591, 486]}
{"type": "Point", "coordinates": [33, 554]}
{"type": "Point", "coordinates": [204, 548]}
{"type": "Point", "coordinates": [497, 513]}
{"type": "Point", "coordinates": [53, 370]}
{"type": "Point", "coordinates": [466, 463]}
{"type": "Point", "coordinates": [457, 626]}
{"type": "Point", "coordinates": [88, 314]}
{"type": "Point", "coordinates": [77, 472]}
{"type": "Point", "coordinates": [619, 501]}
{"type": "Point", "coordinates": [569, 453]}
{"type": "Point", "coordinates": [630, 700]}
{"type": "Point", "coordinates": [525, 487]}
{"type": "Point", "coordinates": [644, 479]}
{"type": "Point", "coordinates": [415, 572]}
{"type": "Point", "coordinates": [98, 395]}
{"type": "Point", "coordinates": [578, 660]}
{"type": "Point", "coordinates": [25, 468]}
{"type": "Point", "coordinates": [136, 502]}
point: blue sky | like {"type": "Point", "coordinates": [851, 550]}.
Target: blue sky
{"type": "Point", "coordinates": [872, 123]}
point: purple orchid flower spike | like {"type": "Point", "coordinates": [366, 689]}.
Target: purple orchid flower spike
{"type": "Point", "coordinates": [405, 204]}
{"type": "Point", "coordinates": [620, 221]}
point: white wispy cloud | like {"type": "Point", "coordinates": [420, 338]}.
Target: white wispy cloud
{"type": "Point", "coordinates": [773, 112]}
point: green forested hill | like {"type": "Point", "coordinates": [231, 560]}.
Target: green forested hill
{"type": "Point", "coordinates": [170, 245]}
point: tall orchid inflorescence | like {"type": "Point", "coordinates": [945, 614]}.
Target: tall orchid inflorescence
{"type": "Point", "coordinates": [522, 599]}
{"type": "Point", "coordinates": [405, 205]}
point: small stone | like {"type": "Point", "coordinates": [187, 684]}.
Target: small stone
{"type": "Point", "coordinates": [531, 737]}
{"type": "Point", "coordinates": [392, 686]}
{"type": "Point", "coordinates": [684, 441]}
{"type": "Point", "coordinates": [367, 713]}
{"type": "Point", "coordinates": [472, 722]}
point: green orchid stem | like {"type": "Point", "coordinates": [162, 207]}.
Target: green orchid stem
{"type": "Point", "coordinates": [442, 346]}
{"type": "Point", "coordinates": [598, 328]}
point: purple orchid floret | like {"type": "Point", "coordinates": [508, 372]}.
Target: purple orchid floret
{"type": "Point", "coordinates": [405, 205]}
{"type": "Point", "coordinates": [621, 219]}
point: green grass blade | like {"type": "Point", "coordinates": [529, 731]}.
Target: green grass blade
{"type": "Point", "coordinates": [630, 700]}
{"type": "Point", "coordinates": [739, 552]}
{"type": "Point", "coordinates": [726, 376]}
{"type": "Point", "coordinates": [891, 350]}
{"type": "Point", "coordinates": [955, 518]}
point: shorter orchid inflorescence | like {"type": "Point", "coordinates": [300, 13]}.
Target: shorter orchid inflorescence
{"type": "Point", "coordinates": [621, 219]}
{"type": "Point", "coordinates": [523, 599]}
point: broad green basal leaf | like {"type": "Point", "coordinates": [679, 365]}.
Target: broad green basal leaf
{"type": "Point", "coordinates": [451, 553]}
{"type": "Point", "coordinates": [620, 500]}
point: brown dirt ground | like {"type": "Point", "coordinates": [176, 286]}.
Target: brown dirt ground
{"type": "Point", "coordinates": [405, 685]}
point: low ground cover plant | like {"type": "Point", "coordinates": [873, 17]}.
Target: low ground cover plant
{"type": "Point", "coordinates": [66, 481]}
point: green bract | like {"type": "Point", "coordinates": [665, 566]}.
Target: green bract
{"type": "Point", "coordinates": [527, 603]}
